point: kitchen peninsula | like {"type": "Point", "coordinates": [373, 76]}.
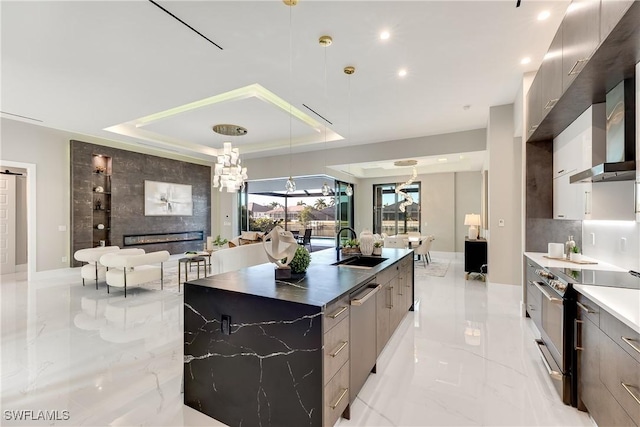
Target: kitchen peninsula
{"type": "Point", "coordinates": [263, 352]}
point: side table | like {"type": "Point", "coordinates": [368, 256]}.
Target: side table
{"type": "Point", "coordinates": [475, 257]}
{"type": "Point", "coordinates": [199, 260]}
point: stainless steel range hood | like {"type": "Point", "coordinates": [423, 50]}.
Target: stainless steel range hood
{"type": "Point", "coordinates": [620, 164]}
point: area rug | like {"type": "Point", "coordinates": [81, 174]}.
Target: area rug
{"type": "Point", "coordinates": [170, 281]}
{"type": "Point", "coordinates": [437, 267]}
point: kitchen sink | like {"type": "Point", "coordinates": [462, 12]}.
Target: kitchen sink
{"type": "Point", "coordinates": [360, 262]}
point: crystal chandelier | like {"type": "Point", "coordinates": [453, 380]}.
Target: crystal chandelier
{"type": "Point", "coordinates": [228, 171]}
{"type": "Point", "coordinates": [408, 200]}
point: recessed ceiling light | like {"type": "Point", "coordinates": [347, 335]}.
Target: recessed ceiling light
{"type": "Point", "coordinates": [402, 72]}
{"type": "Point", "coordinates": [442, 159]}
{"type": "Point", "coordinates": [525, 61]}
{"type": "Point", "coordinates": [385, 35]}
{"type": "Point", "coordinates": [544, 15]}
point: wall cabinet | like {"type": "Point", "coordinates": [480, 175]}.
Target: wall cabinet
{"type": "Point", "coordinates": [578, 147]}
{"type": "Point", "coordinates": [598, 49]}
{"type": "Point", "coordinates": [610, 13]}
{"type": "Point", "coordinates": [605, 367]}
{"type": "Point", "coordinates": [580, 37]}
{"type": "Point", "coordinates": [551, 75]}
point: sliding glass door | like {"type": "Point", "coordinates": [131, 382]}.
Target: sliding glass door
{"type": "Point", "coordinates": [344, 206]}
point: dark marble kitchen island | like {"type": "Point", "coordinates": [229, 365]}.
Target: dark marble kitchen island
{"type": "Point", "coordinates": [254, 348]}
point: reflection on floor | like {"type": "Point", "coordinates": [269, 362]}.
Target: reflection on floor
{"type": "Point", "coordinates": [464, 357]}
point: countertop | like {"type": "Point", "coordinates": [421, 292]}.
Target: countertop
{"type": "Point", "coordinates": [623, 304]}
{"type": "Point", "coordinates": [539, 258]}
{"type": "Point", "coordinates": [323, 283]}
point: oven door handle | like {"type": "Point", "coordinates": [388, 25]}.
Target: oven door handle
{"type": "Point", "coordinates": [553, 374]}
{"type": "Point", "coordinates": [549, 297]}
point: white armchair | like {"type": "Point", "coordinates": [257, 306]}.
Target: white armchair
{"type": "Point", "coordinates": [134, 269]}
{"type": "Point", "coordinates": [92, 269]}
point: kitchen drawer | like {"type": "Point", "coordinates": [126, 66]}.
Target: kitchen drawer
{"type": "Point", "coordinates": [336, 349]}
{"type": "Point", "coordinates": [335, 312]}
{"type": "Point", "coordinates": [336, 396]}
{"type": "Point", "coordinates": [602, 406]}
{"type": "Point", "coordinates": [534, 304]}
{"type": "Point", "coordinates": [620, 373]}
{"type": "Point", "coordinates": [587, 309]}
{"type": "Point", "coordinates": [623, 335]}
{"type": "Point", "coordinates": [406, 262]}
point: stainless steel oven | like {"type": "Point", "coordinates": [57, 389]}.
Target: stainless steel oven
{"type": "Point", "coordinates": [550, 304]}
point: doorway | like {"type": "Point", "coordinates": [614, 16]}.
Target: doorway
{"type": "Point", "coordinates": [18, 223]}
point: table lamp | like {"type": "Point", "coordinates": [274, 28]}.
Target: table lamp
{"type": "Point", "coordinates": [473, 221]}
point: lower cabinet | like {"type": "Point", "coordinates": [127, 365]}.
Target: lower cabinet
{"type": "Point", "coordinates": [608, 376]}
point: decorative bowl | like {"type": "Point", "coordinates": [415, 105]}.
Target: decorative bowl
{"type": "Point", "coordinates": [190, 254]}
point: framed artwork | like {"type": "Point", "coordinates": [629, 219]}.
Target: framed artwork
{"type": "Point", "coordinates": [166, 198]}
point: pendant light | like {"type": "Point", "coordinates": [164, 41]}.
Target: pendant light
{"type": "Point", "coordinates": [349, 71]}
{"type": "Point", "coordinates": [325, 41]}
{"type": "Point", "coordinates": [290, 185]}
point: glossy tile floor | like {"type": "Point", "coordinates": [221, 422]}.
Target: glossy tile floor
{"type": "Point", "coordinates": [465, 357]}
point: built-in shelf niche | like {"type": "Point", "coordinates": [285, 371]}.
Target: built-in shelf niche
{"type": "Point", "coordinates": [101, 189]}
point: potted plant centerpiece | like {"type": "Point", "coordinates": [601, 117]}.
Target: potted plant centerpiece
{"type": "Point", "coordinates": [351, 247]}
{"type": "Point", "coordinates": [299, 263]}
{"type": "Point", "coordinates": [377, 247]}
{"type": "Point", "coordinates": [575, 254]}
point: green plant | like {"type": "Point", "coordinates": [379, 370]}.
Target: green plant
{"type": "Point", "coordinates": [575, 250]}
{"type": "Point", "coordinates": [377, 244]}
{"type": "Point", "coordinates": [353, 243]}
{"type": "Point", "coordinates": [219, 241]}
{"type": "Point", "coordinates": [300, 261]}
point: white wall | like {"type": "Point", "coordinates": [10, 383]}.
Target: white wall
{"type": "Point", "coordinates": [468, 191]}
{"type": "Point", "coordinates": [505, 193]}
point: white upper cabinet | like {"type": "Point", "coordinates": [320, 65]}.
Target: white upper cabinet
{"type": "Point", "coordinates": [578, 147]}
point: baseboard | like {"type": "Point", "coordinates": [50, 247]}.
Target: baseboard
{"type": "Point", "coordinates": [57, 273]}
{"type": "Point", "coordinates": [21, 268]}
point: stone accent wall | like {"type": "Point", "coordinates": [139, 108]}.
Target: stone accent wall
{"type": "Point", "coordinates": [129, 172]}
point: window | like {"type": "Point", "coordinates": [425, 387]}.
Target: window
{"type": "Point", "coordinates": [387, 217]}
{"type": "Point", "coordinates": [265, 204]}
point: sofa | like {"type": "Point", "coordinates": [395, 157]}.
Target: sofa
{"type": "Point", "coordinates": [235, 258]}
{"type": "Point", "coordinates": [134, 268]}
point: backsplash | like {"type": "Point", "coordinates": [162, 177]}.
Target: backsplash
{"type": "Point", "coordinates": [541, 231]}
{"type": "Point", "coordinates": [616, 242]}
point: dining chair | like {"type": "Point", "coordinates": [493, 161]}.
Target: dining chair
{"type": "Point", "coordinates": [423, 249]}
{"type": "Point", "coordinates": [306, 239]}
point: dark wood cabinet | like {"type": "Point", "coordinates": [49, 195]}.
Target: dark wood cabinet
{"type": "Point", "coordinates": [475, 256]}
{"type": "Point", "coordinates": [580, 38]}
{"type": "Point", "coordinates": [551, 75]}
{"type": "Point", "coordinates": [603, 366]}
{"type": "Point", "coordinates": [534, 107]}
{"type": "Point", "coordinates": [610, 13]}
{"type": "Point", "coordinates": [599, 49]}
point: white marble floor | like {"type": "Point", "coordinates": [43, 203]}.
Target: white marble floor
{"type": "Point", "coordinates": [465, 357]}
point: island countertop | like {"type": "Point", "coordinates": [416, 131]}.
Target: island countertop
{"type": "Point", "coordinates": [322, 284]}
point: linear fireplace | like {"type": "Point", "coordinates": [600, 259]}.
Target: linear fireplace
{"type": "Point", "coordinates": [155, 238]}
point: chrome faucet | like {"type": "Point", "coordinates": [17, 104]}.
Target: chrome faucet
{"type": "Point", "coordinates": [353, 233]}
